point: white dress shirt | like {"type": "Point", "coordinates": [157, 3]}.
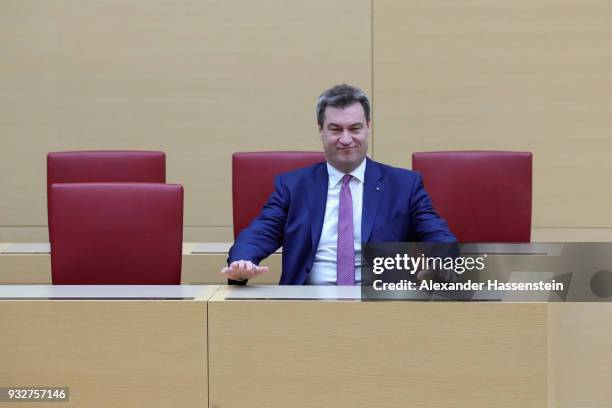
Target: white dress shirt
{"type": "Point", "coordinates": [324, 267]}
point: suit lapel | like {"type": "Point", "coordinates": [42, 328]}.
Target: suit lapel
{"type": "Point", "coordinates": [373, 188]}
{"type": "Point", "coordinates": [317, 198]}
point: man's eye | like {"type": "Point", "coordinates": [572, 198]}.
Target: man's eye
{"type": "Point", "coordinates": [335, 130]}
{"type": "Point", "coordinates": [356, 129]}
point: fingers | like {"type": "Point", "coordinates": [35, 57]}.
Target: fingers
{"type": "Point", "coordinates": [260, 270]}
{"type": "Point", "coordinates": [241, 270]}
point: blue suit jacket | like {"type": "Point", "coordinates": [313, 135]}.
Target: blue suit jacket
{"type": "Point", "coordinates": [396, 208]}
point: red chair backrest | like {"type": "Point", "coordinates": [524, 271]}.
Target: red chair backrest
{"type": "Point", "coordinates": [116, 233]}
{"type": "Point", "coordinates": [485, 196]}
{"type": "Point", "coordinates": [105, 166]}
{"type": "Point", "coordinates": [253, 176]}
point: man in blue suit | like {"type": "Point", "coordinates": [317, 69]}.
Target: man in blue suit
{"type": "Point", "coordinates": [321, 214]}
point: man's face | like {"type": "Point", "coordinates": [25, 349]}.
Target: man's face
{"type": "Point", "coordinates": [345, 135]}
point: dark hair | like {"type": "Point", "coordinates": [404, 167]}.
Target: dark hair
{"type": "Point", "coordinates": [342, 96]}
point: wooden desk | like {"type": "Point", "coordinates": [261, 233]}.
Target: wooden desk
{"type": "Point", "coordinates": [30, 263]}
{"type": "Point", "coordinates": [126, 346]}
{"type": "Point", "coordinates": [113, 346]}
{"type": "Point", "coordinates": [580, 356]}
{"type": "Point", "coordinates": [307, 346]}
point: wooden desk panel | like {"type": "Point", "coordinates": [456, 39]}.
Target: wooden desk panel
{"type": "Point", "coordinates": [294, 352]}
{"type": "Point", "coordinates": [305, 353]}
{"type": "Point", "coordinates": [201, 264]}
{"type": "Point", "coordinates": [110, 353]}
{"type": "Point", "coordinates": [25, 269]}
{"type": "Point", "coordinates": [580, 335]}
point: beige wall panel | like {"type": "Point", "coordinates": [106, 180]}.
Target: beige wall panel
{"type": "Point", "coordinates": [208, 234]}
{"type": "Point", "coordinates": [519, 75]}
{"type": "Point", "coordinates": [21, 233]}
{"type": "Point", "coordinates": [197, 79]}
{"type": "Point", "coordinates": [571, 234]}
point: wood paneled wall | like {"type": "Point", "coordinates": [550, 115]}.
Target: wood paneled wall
{"type": "Point", "coordinates": [198, 79]}
{"type": "Point", "coordinates": [201, 79]}
{"type": "Point", "coordinates": [510, 75]}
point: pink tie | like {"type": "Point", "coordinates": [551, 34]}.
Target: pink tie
{"type": "Point", "coordinates": [345, 263]}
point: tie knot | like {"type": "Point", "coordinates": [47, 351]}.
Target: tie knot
{"type": "Point", "coordinates": [346, 179]}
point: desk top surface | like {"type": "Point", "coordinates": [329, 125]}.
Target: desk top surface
{"type": "Point", "coordinates": [206, 292]}
{"type": "Point", "coordinates": [250, 292]}
{"type": "Point", "coordinates": [189, 248]}
{"type": "Point", "coordinates": [188, 292]}
{"type": "Point", "coordinates": [277, 292]}
{"type": "Point", "coordinates": [337, 293]}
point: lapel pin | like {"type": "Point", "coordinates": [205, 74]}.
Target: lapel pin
{"type": "Point", "coordinates": [377, 188]}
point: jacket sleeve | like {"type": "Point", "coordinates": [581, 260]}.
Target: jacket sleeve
{"type": "Point", "coordinates": [266, 232]}
{"type": "Point", "coordinates": [427, 226]}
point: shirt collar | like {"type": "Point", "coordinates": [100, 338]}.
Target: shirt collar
{"type": "Point", "coordinates": [335, 175]}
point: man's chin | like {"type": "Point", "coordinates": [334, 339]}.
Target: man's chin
{"type": "Point", "coordinates": [346, 164]}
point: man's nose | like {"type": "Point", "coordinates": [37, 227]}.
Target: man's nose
{"type": "Point", "coordinates": [346, 138]}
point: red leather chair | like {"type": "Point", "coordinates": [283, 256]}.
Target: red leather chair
{"type": "Point", "coordinates": [485, 196]}
{"type": "Point", "coordinates": [253, 180]}
{"type": "Point", "coordinates": [116, 233]}
{"type": "Point", "coordinates": [105, 166]}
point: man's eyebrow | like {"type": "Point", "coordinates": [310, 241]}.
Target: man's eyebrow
{"type": "Point", "coordinates": [352, 125]}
